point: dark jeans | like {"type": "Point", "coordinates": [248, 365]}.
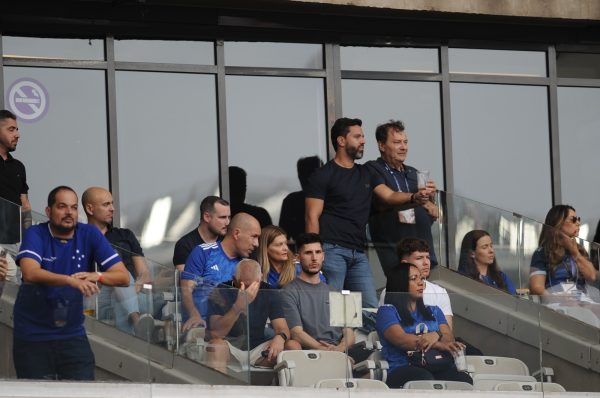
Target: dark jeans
{"type": "Point", "coordinates": [399, 376]}
{"type": "Point", "coordinates": [70, 359]}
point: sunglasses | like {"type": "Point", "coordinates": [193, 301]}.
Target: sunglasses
{"type": "Point", "coordinates": [574, 219]}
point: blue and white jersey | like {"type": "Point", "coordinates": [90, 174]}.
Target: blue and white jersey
{"type": "Point", "coordinates": [207, 265]}
{"type": "Point", "coordinates": [45, 312]}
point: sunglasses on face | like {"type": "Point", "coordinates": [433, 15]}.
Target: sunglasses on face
{"type": "Point", "coordinates": [574, 219]}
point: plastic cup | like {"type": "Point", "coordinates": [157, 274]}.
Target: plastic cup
{"type": "Point", "coordinates": [460, 360]}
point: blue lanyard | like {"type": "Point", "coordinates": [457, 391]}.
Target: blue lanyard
{"type": "Point", "coordinates": [399, 189]}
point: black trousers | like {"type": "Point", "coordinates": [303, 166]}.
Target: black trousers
{"type": "Point", "coordinates": [399, 376]}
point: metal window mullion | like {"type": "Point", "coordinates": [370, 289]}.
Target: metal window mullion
{"type": "Point", "coordinates": [113, 147]}
{"type": "Point", "coordinates": [555, 174]}
{"type": "Point", "coordinates": [222, 120]}
{"type": "Point", "coordinates": [444, 233]}
{"type": "Point", "coordinates": [333, 90]}
{"type": "Point", "coordinates": [2, 105]}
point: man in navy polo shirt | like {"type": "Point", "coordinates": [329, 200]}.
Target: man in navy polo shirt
{"type": "Point", "coordinates": [212, 263]}
{"type": "Point", "coordinates": [57, 262]}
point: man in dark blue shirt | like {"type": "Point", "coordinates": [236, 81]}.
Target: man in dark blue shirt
{"type": "Point", "coordinates": [390, 224]}
{"type": "Point", "coordinates": [57, 263]}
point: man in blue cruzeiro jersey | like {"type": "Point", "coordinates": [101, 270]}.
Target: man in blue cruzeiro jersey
{"type": "Point", "coordinates": [57, 263]}
{"type": "Point", "coordinates": [212, 263]}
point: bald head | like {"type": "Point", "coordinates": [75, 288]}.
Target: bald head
{"type": "Point", "coordinates": [242, 235]}
{"type": "Point", "coordinates": [242, 221]}
{"type": "Point", "coordinates": [98, 206]}
{"type": "Point", "coordinates": [248, 271]}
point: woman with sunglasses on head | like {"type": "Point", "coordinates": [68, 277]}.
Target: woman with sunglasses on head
{"type": "Point", "coordinates": [478, 261]}
{"type": "Point", "coordinates": [560, 265]}
{"type": "Point", "coordinates": [398, 323]}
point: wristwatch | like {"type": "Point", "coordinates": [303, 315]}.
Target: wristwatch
{"type": "Point", "coordinates": [439, 334]}
{"type": "Point", "coordinates": [283, 336]}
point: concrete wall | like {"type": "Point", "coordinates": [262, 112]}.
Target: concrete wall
{"type": "Point", "coordinates": [560, 9]}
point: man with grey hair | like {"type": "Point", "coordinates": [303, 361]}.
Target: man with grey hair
{"type": "Point", "coordinates": [237, 314]}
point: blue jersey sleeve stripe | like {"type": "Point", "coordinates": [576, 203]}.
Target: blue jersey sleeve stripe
{"type": "Point", "coordinates": [25, 252]}
{"type": "Point", "coordinates": [108, 259]}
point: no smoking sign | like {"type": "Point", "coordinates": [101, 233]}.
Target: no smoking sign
{"type": "Point", "coordinates": [28, 99]}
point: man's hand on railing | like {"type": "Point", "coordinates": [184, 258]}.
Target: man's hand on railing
{"type": "Point", "coordinates": [194, 321]}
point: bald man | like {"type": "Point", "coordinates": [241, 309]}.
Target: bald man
{"type": "Point", "coordinates": [212, 263]}
{"type": "Point", "coordinates": [99, 208]}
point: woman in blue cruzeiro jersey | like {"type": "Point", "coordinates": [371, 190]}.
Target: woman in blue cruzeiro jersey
{"type": "Point", "coordinates": [560, 265]}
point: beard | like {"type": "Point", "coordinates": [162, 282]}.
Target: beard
{"type": "Point", "coordinates": [310, 272]}
{"type": "Point", "coordinates": [355, 153]}
{"type": "Point", "coordinates": [63, 229]}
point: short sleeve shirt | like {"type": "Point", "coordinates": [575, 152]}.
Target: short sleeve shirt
{"type": "Point", "coordinates": [266, 305]}
{"type": "Point", "coordinates": [45, 312]}
{"type": "Point", "coordinates": [13, 183]}
{"type": "Point", "coordinates": [307, 305]}
{"type": "Point", "coordinates": [387, 316]}
{"type": "Point", "coordinates": [185, 245]}
{"type": "Point", "coordinates": [207, 265]}
{"type": "Point", "coordinates": [563, 272]}
{"type": "Point", "coordinates": [347, 194]}
{"type": "Point", "coordinates": [126, 244]}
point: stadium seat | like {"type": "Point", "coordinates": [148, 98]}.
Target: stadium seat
{"type": "Point", "coordinates": [307, 367]}
{"type": "Point", "coordinates": [487, 382]}
{"type": "Point", "coordinates": [496, 365]}
{"type": "Point", "coordinates": [352, 384]}
{"type": "Point", "coordinates": [437, 385]}
{"type": "Point", "coordinates": [529, 386]}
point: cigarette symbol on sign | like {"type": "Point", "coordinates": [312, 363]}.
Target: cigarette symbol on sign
{"type": "Point", "coordinates": [28, 99]}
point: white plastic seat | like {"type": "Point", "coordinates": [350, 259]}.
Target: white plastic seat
{"type": "Point", "coordinates": [529, 386]}
{"type": "Point", "coordinates": [496, 365]}
{"type": "Point", "coordinates": [437, 385]}
{"type": "Point", "coordinates": [352, 384]}
{"type": "Point", "coordinates": [487, 382]}
{"type": "Point", "coordinates": [306, 367]}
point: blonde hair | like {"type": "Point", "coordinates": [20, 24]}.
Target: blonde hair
{"type": "Point", "coordinates": [267, 236]}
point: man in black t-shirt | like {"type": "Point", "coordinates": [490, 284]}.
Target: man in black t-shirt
{"type": "Point", "coordinates": [13, 182]}
{"type": "Point", "coordinates": [123, 301]}
{"type": "Point", "coordinates": [215, 215]}
{"type": "Point", "coordinates": [338, 202]}
{"type": "Point", "coordinates": [237, 315]}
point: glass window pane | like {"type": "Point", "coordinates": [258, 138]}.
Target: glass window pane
{"type": "Point", "coordinates": [388, 59]}
{"type": "Point", "coordinates": [579, 124]}
{"type": "Point", "coordinates": [162, 51]}
{"type": "Point", "coordinates": [497, 62]}
{"type": "Point", "coordinates": [274, 55]}
{"type": "Point", "coordinates": [376, 102]}
{"type": "Point", "coordinates": [267, 134]}
{"type": "Point", "coordinates": [500, 145]}
{"type": "Point", "coordinates": [66, 144]}
{"type": "Point", "coordinates": [168, 156]}
{"type": "Point", "coordinates": [37, 47]}
{"type": "Point", "coordinates": [584, 66]}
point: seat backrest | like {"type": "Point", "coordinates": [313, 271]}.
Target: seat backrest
{"type": "Point", "coordinates": [529, 386]}
{"type": "Point", "coordinates": [352, 384]}
{"type": "Point", "coordinates": [437, 385]}
{"type": "Point", "coordinates": [310, 366]}
{"type": "Point", "coordinates": [497, 365]}
{"type": "Point", "coordinates": [487, 382]}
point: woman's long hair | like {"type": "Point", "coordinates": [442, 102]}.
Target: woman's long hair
{"type": "Point", "coordinates": [466, 261]}
{"type": "Point", "coordinates": [267, 236]}
{"type": "Point", "coordinates": [550, 238]}
{"type": "Point", "coordinates": [396, 294]}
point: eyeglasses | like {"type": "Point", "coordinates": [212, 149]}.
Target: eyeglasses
{"type": "Point", "coordinates": [574, 219]}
